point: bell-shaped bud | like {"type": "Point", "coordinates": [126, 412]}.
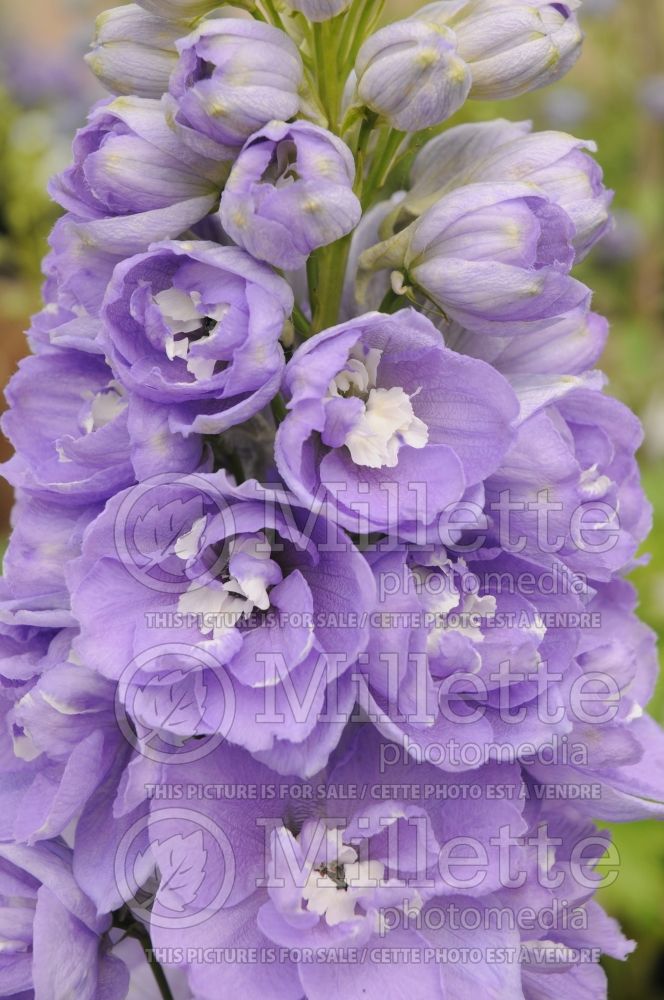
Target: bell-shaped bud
{"type": "Point", "coordinates": [411, 74]}
{"type": "Point", "coordinates": [133, 51]}
{"type": "Point", "coordinates": [233, 77]}
{"type": "Point", "coordinates": [501, 151]}
{"type": "Point", "coordinates": [511, 46]}
{"type": "Point", "coordinates": [493, 257]}
{"type": "Point", "coordinates": [289, 192]}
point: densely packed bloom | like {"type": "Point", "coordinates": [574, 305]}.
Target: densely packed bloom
{"type": "Point", "coordinates": [314, 628]}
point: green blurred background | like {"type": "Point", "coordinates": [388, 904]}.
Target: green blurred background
{"type": "Point", "coordinates": [615, 96]}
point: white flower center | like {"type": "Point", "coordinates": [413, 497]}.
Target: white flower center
{"type": "Point", "coordinates": [333, 890]}
{"type": "Point", "coordinates": [104, 407]}
{"type": "Point", "coordinates": [441, 595]}
{"type": "Point", "coordinates": [223, 604]}
{"type": "Point", "coordinates": [387, 421]}
{"type": "Point", "coordinates": [182, 315]}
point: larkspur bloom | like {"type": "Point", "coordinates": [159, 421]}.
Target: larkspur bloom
{"type": "Point", "coordinates": [233, 77]}
{"type": "Point", "coordinates": [461, 680]}
{"type": "Point", "coordinates": [134, 51]}
{"type": "Point", "coordinates": [493, 152]}
{"type": "Point", "coordinates": [250, 593]}
{"type": "Point", "coordinates": [575, 452]}
{"type": "Point", "coordinates": [290, 191]}
{"type": "Point", "coordinates": [507, 239]}
{"type": "Point", "coordinates": [55, 942]}
{"type": "Point", "coordinates": [314, 624]}
{"type": "Point", "coordinates": [86, 454]}
{"type": "Point", "coordinates": [196, 326]}
{"type": "Point", "coordinates": [412, 75]}
{"type": "Point", "coordinates": [511, 46]}
{"type": "Point", "coordinates": [132, 181]}
{"type": "Point", "coordinates": [365, 420]}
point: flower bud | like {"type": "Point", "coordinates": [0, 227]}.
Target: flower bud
{"type": "Point", "coordinates": [133, 51]}
{"type": "Point", "coordinates": [500, 151]}
{"type": "Point", "coordinates": [511, 46]}
{"type": "Point", "coordinates": [494, 258]}
{"type": "Point", "coordinates": [411, 74]}
{"type": "Point", "coordinates": [289, 192]}
{"type": "Point", "coordinates": [232, 78]}
{"type": "Point", "coordinates": [319, 10]}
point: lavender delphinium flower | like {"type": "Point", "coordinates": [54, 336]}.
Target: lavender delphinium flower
{"type": "Point", "coordinates": [557, 163]}
{"type": "Point", "coordinates": [290, 191]}
{"type": "Point", "coordinates": [248, 594]}
{"type": "Point", "coordinates": [574, 451]}
{"type": "Point", "coordinates": [196, 326]}
{"type": "Point", "coordinates": [55, 941]}
{"type": "Point", "coordinates": [134, 51]}
{"type": "Point", "coordinates": [488, 277]}
{"type": "Point", "coordinates": [132, 182]}
{"type": "Point", "coordinates": [622, 747]}
{"type": "Point", "coordinates": [85, 454]}
{"type": "Point", "coordinates": [511, 46]}
{"type": "Point", "coordinates": [65, 740]}
{"type": "Point", "coordinates": [316, 647]}
{"type": "Point", "coordinates": [461, 681]}
{"type": "Point", "coordinates": [365, 418]}
{"type": "Point", "coordinates": [233, 77]}
{"type": "Point", "coordinates": [412, 75]}
{"type": "Point", "coordinates": [313, 874]}
{"type": "Point", "coordinates": [572, 343]}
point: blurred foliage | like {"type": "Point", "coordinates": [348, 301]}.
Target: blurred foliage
{"type": "Point", "coordinates": [26, 212]}
{"type": "Point", "coordinates": [602, 99]}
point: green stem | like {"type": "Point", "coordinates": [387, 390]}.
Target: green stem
{"type": "Point", "coordinates": [360, 22]}
{"type": "Point", "coordinates": [157, 971]}
{"type": "Point", "coordinates": [386, 156]}
{"type": "Point", "coordinates": [392, 302]}
{"type": "Point", "coordinates": [124, 920]}
{"type": "Point", "coordinates": [312, 281]}
{"type": "Point", "coordinates": [318, 32]}
{"type": "Point", "coordinates": [331, 262]}
{"type": "Point", "coordinates": [279, 410]}
{"type": "Point", "coordinates": [361, 149]}
{"type": "Point", "coordinates": [300, 322]}
{"type": "Point", "coordinates": [273, 15]}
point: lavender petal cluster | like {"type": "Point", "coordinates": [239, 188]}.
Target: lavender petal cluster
{"type": "Point", "coordinates": [320, 663]}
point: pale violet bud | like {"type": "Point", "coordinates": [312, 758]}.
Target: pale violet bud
{"type": "Point", "coordinates": [493, 152]}
{"type": "Point", "coordinates": [495, 258]}
{"type": "Point", "coordinates": [233, 77]}
{"type": "Point", "coordinates": [133, 51]}
{"type": "Point", "coordinates": [511, 46]}
{"type": "Point", "coordinates": [319, 10]}
{"type": "Point", "coordinates": [290, 191]}
{"type": "Point", "coordinates": [499, 151]}
{"type": "Point", "coordinates": [410, 72]}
